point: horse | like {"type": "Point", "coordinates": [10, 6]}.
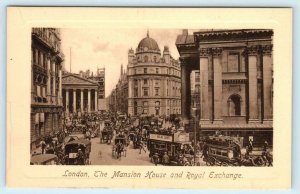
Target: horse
{"type": "Point", "coordinates": [119, 150]}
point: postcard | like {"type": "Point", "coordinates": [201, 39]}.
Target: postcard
{"type": "Point", "coordinates": [191, 98]}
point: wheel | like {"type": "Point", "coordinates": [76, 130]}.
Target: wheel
{"type": "Point", "coordinates": [211, 161]}
{"type": "Point", "coordinates": [224, 164]}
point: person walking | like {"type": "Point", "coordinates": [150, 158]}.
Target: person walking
{"type": "Point", "coordinates": [43, 145]}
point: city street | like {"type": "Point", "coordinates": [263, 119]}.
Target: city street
{"type": "Point", "coordinates": [101, 154]}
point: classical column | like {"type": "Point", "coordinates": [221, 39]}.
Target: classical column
{"type": "Point", "coordinates": [54, 84]}
{"type": "Point", "coordinates": [252, 83]}
{"type": "Point", "coordinates": [217, 90]}
{"type": "Point", "coordinates": [96, 101]}
{"type": "Point", "coordinates": [81, 100]}
{"type": "Point", "coordinates": [67, 100]}
{"type": "Point", "coordinates": [185, 90]}
{"type": "Point", "coordinates": [74, 101]}
{"type": "Point", "coordinates": [204, 106]}
{"type": "Point", "coordinates": [267, 83]}
{"type": "Point", "coordinates": [89, 100]}
{"type": "Point", "coordinates": [130, 88]}
{"type": "Point", "coordinates": [60, 87]}
{"type": "Point", "coordinates": [49, 79]}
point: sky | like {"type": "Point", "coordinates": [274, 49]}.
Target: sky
{"type": "Point", "coordinates": [97, 48]}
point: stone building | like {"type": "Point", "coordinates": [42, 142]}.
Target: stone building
{"type": "Point", "coordinates": [236, 81]}
{"type": "Point", "coordinates": [46, 88]}
{"type": "Point", "coordinates": [80, 95]}
{"type": "Point", "coordinates": [153, 80]}
{"type": "Point", "coordinates": [122, 92]}
{"type": "Point", "coordinates": [195, 91]}
{"type": "Point", "coordinates": [100, 78]}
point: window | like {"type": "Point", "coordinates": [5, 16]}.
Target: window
{"type": "Point", "coordinates": [145, 104]}
{"type": "Point", "coordinates": [233, 62]}
{"type": "Point", "coordinates": [39, 58]}
{"type": "Point", "coordinates": [145, 107]}
{"type": "Point", "coordinates": [234, 105]}
{"type": "Point", "coordinates": [156, 91]}
{"type": "Point", "coordinates": [154, 59]}
{"type": "Point", "coordinates": [135, 108]}
{"type": "Point", "coordinates": [197, 76]}
{"type": "Point", "coordinates": [135, 92]}
{"type": "Point", "coordinates": [157, 111]}
{"type": "Point", "coordinates": [157, 71]}
{"type": "Point", "coordinates": [135, 82]}
{"type": "Point", "coordinates": [134, 71]}
{"type": "Point", "coordinates": [145, 91]}
{"type": "Point", "coordinates": [145, 81]}
{"type": "Point", "coordinates": [145, 59]}
{"type": "Point", "coordinates": [145, 70]}
{"type": "Point", "coordinates": [157, 103]}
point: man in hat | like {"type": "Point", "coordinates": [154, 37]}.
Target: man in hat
{"type": "Point", "coordinates": [155, 158]}
{"type": "Point", "coordinates": [80, 157]}
{"type": "Point", "coordinates": [165, 159]}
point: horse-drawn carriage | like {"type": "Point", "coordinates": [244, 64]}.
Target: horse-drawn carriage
{"type": "Point", "coordinates": [107, 133]}
{"type": "Point", "coordinates": [119, 147]}
{"type": "Point", "coordinates": [77, 152]}
{"type": "Point", "coordinates": [222, 151]}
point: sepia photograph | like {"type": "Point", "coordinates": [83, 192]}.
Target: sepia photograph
{"type": "Point", "coordinates": [145, 98]}
{"type": "Point", "coordinates": [179, 97]}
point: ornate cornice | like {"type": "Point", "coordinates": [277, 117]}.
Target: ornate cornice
{"type": "Point", "coordinates": [233, 34]}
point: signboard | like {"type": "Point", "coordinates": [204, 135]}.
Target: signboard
{"type": "Point", "coordinates": [161, 137]}
{"type": "Point", "coordinates": [181, 137]}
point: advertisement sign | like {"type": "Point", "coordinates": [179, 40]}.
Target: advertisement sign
{"type": "Point", "coordinates": [161, 137]}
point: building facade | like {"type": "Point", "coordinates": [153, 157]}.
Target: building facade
{"type": "Point", "coordinates": [195, 92]}
{"type": "Point", "coordinates": [122, 92]}
{"type": "Point", "coordinates": [99, 77]}
{"type": "Point", "coordinates": [80, 95]}
{"type": "Point", "coordinates": [46, 83]}
{"type": "Point", "coordinates": [236, 81]}
{"type": "Point", "coordinates": [154, 85]}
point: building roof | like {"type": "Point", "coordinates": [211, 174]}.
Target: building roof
{"type": "Point", "coordinates": [149, 43]}
{"type": "Point", "coordinates": [73, 79]}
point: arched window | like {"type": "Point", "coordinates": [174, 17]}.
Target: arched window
{"type": "Point", "coordinates": [146, 58]}
{"type": "Point", "coordinates": [234, 105]}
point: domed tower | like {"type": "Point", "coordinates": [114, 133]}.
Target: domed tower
{"type": "Point", "coordinates": [153, 81]}
{"type": "Point", "coordinates": [147, 50]}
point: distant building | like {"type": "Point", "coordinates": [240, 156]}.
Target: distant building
{"type": "Point", "coordinates": [46, 84]}
{"type": "Point", "coordinates": [100, 78]}
{"type": "Point", "coordinates": [80, 95]}
{"type": "Point", "coordinates": [154, 83]}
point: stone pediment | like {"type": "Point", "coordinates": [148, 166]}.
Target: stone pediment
{"type": "Point", "coordinates": [77, 80]}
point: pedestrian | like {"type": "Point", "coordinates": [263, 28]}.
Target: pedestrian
{"type": "Point", "coordinates": [265, 146]}
{"type": "Point", "coordinates": [155, 158]}
{"type": "Point", "coordinates": [205, 150]}
{"type": "Point", "coordinates": [165, 159]}
{"type": "Point", "coordinates": [43, 145]}
{"type": "Point", "coordinates": [141, 146]}
{"type": "Point", "coordinates": [250, 146]}
{"type": "Point", "coordinates": [80, 157]}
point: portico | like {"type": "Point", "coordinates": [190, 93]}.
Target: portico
{"type": "Point", "coordinates": [80, 95]}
